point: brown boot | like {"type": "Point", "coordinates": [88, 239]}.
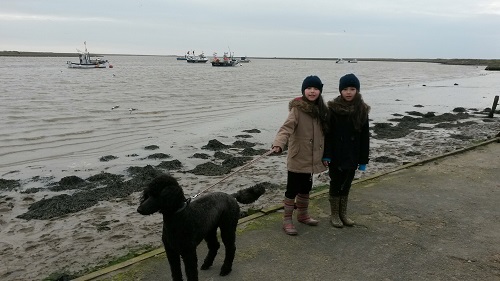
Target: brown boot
{"type": "Point", "coordinates": [335, 207]}
{"type": "Point", "coordinates": [302, 201]}
{"type": "Point", "coordinates": [288, 206]}
{"type": "Point", "coordinates": [343, 212]}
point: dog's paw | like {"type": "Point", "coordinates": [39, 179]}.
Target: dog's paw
{"type": "Point", "coordinates": [225, 271]}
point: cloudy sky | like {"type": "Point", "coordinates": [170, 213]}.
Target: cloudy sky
{"type": "Point", "coordinates": [256, 28]}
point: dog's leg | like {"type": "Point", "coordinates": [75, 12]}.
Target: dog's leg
{"type": "Point", "coordinates": [213, 246]}
{"type": "Point", "coordinates": [190, 263]}
{"type": "Point", "coordinates": [228, 236]}
{"type": "Point", "coordinates": [174, 260]}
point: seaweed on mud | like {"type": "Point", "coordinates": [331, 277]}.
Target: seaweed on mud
{"type": "Point", "coordinates": [201, 156]}
{"type": "Point", "coordinates": [64, 204]}
{"type": "Point", "coordinates": [252, 152]}
{"type": "Point", "coordinates": [170, 165]}
{"type": "Point", "coordinates": [105, 178]}
{"type": "Point", "coordinates": [244, 136]}
{"type": "Point", "coordinates": [107, 158]}
{"type": "Point", "coordinates": [151, 147]}
{"type": "Point", "coordinates": [210, 169]}
{"type": "Point", "coordinates": [70, 183]}
{"type": "Point", "coordinates": [222, 155]}
{"type": "Point", "coordinates": [389, 131]}
{"type": "Point", "coordinates": [215, 145]}
{"type": "Point", "coordinates": [158, 156]}
{"type": "Point", "coordinates": [235, 162]}
{"type": "Point", "coordinates": [407, 124]}
{"type": "Point", "coordinates": [8, 185]}
{"type": "Point", "coordinates": [243, 144]}
{"type": "Point", "coordinates": [251, 131]}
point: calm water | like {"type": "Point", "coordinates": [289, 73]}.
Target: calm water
{"type": "Point", "coordinates": [55, 118]}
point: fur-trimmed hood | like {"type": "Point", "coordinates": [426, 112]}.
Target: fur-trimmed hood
{"type": "Point", "coordinates": [307, 107]}
{"type": "Point", "coordinates": [357, 109]}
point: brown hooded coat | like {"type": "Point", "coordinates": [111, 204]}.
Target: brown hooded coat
{"type": "Point", "coordinates": [304, 136]}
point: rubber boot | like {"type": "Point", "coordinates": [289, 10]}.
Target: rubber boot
{"type": "Point", "coordinates": [335, 207]}
{"type": "Point", "coordinates": [288, 207]}
{"type": "Point", "coordinates": [343, 212]}
{"type": "Point", "coordinates": [302, 201]}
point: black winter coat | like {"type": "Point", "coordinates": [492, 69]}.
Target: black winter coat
{"type": "Point", "coordinates": [344, 146]}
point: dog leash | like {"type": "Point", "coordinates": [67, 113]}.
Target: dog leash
{"type": "Point", "coordinates": [231, 174]}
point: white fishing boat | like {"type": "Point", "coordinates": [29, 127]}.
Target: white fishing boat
{"type": "Point", "coordinates": [340, 60]}
{"type": "Point", "coordinates": [87, 62]}
{"type": "Point", "coordinates": [197, 59]}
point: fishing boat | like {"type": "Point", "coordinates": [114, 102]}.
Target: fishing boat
{"type": "Point", "coordinates": [197, 59]}
{"type": "Point", "coordinates": [227, 60]}
{"type": "Point", "coordinates": [87, 62]}
{"type": "Point", "coordinates": [353, 61]}
{"type": "Point", "coordinates": [244, 60]}
{"type": "Point", "coordinates": [340, 60]}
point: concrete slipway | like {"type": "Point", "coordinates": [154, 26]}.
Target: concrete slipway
{"type": "Point", "coordinates": [438, 219]}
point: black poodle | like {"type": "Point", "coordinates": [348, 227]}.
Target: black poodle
{"type": "Point", "coordinates": [186, 223]}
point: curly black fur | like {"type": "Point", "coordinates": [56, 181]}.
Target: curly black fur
{"type": "Point", "coordinates": [186, 224]}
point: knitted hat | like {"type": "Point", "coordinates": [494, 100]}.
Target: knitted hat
{"type": "Point", "coordinates": [349, 80]}
{"type": "Point", "coordinates": [312, 81]}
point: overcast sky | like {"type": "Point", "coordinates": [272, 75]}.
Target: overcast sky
{"type": "Point", "coordinates": [256, 28]}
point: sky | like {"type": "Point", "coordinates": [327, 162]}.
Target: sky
{"type": "Point", "coordinates": [256, 28]}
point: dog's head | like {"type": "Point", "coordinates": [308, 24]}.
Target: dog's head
{"type": "Point", "coordinates": [163, 194]}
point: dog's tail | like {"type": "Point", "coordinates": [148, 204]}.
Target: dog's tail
{"type": "Point", "coordinates": [250, 194]}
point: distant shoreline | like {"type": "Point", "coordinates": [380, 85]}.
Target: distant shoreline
{"type": "Point", "coordinates": [493, 64]}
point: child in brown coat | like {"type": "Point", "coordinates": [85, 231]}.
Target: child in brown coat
{"type": "Point", "coordinates": [303, 131]}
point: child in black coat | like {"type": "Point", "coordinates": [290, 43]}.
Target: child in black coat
{"type": "Point", "coordinates": [346, 145]}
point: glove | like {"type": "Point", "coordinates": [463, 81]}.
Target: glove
{"type": "Point", "coordinates": [362, 167]}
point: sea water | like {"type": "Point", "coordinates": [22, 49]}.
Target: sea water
{"type": "Point", "coordinates": [56, 120]}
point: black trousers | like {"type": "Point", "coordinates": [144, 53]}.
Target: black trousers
{"type": "Point", "coordinates": [298, 183]}
{"type": "Point", "coordinates": [340, 181]}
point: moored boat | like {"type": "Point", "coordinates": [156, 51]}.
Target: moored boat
{"type": "Point", "coordinates": [87, 62]}
{"type": "Point", "coordinates": [227, 60]}
{"type": "Point", "coordinates": [197, 59]}
{"type": "Point", "coordinates": [244, 59]}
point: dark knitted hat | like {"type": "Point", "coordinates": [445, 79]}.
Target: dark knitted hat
{"type": "Point", "coordinates": [312, 81]}
{"type": "Point", "coordinates": [349, 80]}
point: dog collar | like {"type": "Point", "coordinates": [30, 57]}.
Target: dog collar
{"type": "Point", "coordinates": [184, 205]}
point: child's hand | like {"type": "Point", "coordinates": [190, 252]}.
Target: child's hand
{"type": "Point", "coordinates": [362, 167]}
{"type": "Point", "coordinates": [276, 149]}
{"type": "Point", "coordinates": [326, 161]}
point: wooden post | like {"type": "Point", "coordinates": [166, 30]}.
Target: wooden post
{"type": "Point", "coordinates": [494, 107]}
